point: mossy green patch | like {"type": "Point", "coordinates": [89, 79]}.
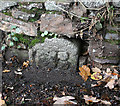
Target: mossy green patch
{"type": "Point", "coordinates": [29, 41]}
{"type": "Point", "coordinates": [7, 13]}
{"type": "Point", "coordinates": [33, 42]}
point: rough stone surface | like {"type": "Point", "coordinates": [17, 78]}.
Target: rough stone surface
{"type": "Point", "coordinates": [8, 22]}
{"type": "Point", "coordinates": [112, 36]}
{"type": "Point", "coordinates": [116, 4]}
{"type": "Point", "coordinates": [79, 10]}
{"type": "Point", "coordinates": [104, 52]}
{"type": "Point", "coordinates": [35, 5]}
{"type": "Point", "coordinates": [82, 60]}
{"type": "Point", "coordinates": [51, 5]}
{"type": "Point", "coordinates": [93, 3]}
{"type": "Point", "coordinates": [22, 15]}
{"type": "Point", "coordinates": [55, 53]}
{"type": "Point", "coordinates": [6, 4]}
{"type": "Point", "coordinates": [57, 24]}
{"type": "Point", "coordinates": [116, 28]}
{"type": "Point", "coordinates": [22, 55]}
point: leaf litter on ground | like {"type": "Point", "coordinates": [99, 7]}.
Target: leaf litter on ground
{"type": "Point", "coordinates": [109, 79]}
{"type": "Point", "coordinates": [64, 100]}
{"type": "Point", "coordinates": [84, 72]}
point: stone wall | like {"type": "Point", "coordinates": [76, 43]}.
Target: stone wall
{"type": "Point", "coordinates": [51, 16]}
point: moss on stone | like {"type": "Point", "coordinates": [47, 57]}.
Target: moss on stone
{"type": "Point", "coordinates": [28, 41]}
{"type": "Point", "coordinates": [7, 13]}
{"type": "Point", "coordinates": [33, 42]}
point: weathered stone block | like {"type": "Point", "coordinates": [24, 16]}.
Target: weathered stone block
{"type": "Point", "coordinates": [56, 6]}
{"type": "Point", "coordinates": [6, 4]}
{"type": "Point", "coordinates": [57, 24]}
{"type": "Point", "coordinates": [7, 22]}
{"type": "Point", "coordinates": [79, 10]}
{"type": "Point", "coordinates": [114, 36]}
{"type": "Point", "coordinates": [93, 3]}
{"type": "Point", "coordinates": [117, 3]}
{"type": "Point", "coordinates": [55, 53]}
{"type": "Point", "coordinates": [22, 15]}
{"type": "Point", "coordinates": [104, 52]}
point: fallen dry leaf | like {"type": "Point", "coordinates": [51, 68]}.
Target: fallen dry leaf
{"type": "Point", "coordinates": [25, 64]}
{"type": "Point", "coordinates": [108, 72]}
{"type": "Point", "coordinates": [6, 71]}
{"type": "Point", "coordinates": [95, 100]}
{"type": "Point", "coordinates": [110, 84]}
{"type": "Point", "coordinates": [90, 99]}
{"type": "Point", "coordinates": [84, 72]}
{"type": "Point", "coordinates": [105, 102]}
{"type": "Point", "coordinates": [87, 69]}
{"type": "Point", "coordinates": [2, 102]}
{"type": "Point", "coordinates": [105, 80]}
{"type": "Point", "coordinates": [96, 70]}
{"type": "Point", "coordinates": [64, 100]}
{"type": "Point", "coordinates": [96, 76]}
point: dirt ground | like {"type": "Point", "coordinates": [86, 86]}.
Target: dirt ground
{"type": "Point", "coordinates": [36, 86]}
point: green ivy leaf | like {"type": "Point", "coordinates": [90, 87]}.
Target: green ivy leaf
{"type": "Point", "coordinates": [42, 35]}
{"type": "Point", "coordinates": [55, 36]}
{"type": "Point", "coordinates": [11, 44]}
{"type": "Point", "coordinates": [17, 30]}
{"type": "Point", "coordinates": [51, 34]}
{"type": "Point", "coordinates": [18, 46]}
{"type": "Point", "coordinates": [46, 33]}
{"type": "Point", "coordinates": [3, 47]}
{"type": "Point", "coordinates": [15, 38]}
{"type": "Point", "coordinates": [12, 33]}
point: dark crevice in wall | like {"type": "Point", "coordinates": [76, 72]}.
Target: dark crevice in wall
{"type": "Point", "coordinates": [81, 46]}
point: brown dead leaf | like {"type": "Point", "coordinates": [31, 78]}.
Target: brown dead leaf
{"type": "Point", "coordinates": [110, 84]}
{"type": "Point", "coordinates": [25, 64]}
{"type": "Point", "coordinates": [68, 102]}
{"type": "Point", "coordinates": [84, 72]}
{"type": "Point", "coordinates": [96, 76]}
{"type": "Point", "coordinates": [105, 102]}
{"type": "Point", "coordinates": [96, 70]}
{"type": "Point", "coordinates": [87, 69]}
{"type": "Point", "coordinates": [63, 100]}
{"type": "Point", "coordinates": [6, 71]}
{"type": "Point", "coordinates": [90, 99]}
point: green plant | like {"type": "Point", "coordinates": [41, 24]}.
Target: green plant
{"type": "Point", "coordinates": [33, 42]}
{"type": "Point", "coordinates": [49, 35]}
